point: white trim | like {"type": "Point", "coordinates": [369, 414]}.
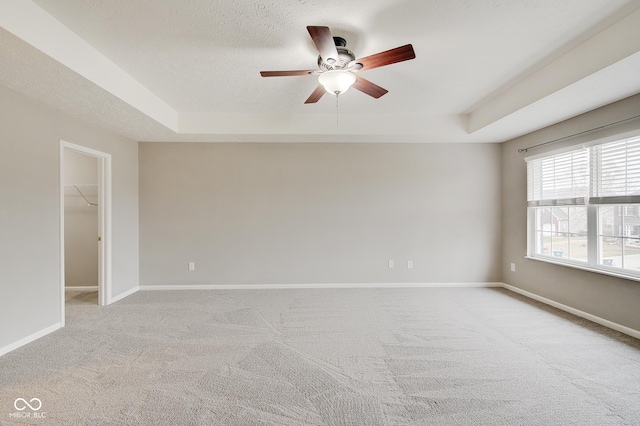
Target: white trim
{"type": "Point", "coordinates": [104, 191]}
{"type": "Point", "coordinates": [104, 219]}
{"type": "Point", "coordinates": [577, 312]}
{"type": "Point", "coordinates": [123, 295]}
{"type": "Point", "coordinates": [61, 236]}
{"type": "Point", "coordinates": [318, 285]}
{"type": "Point", "coordinates": [81, 288]}
{"type": "Point", "coordinates": [15, 345]}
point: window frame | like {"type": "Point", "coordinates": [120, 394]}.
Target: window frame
{"type": "Point", "coordinates": [594, 250]}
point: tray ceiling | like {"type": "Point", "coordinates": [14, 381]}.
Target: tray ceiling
{"type": "Point", "coordinates": [163, 70]}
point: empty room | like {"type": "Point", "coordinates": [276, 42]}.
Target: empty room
{"type": "Point", "coordinates": [393, 212]}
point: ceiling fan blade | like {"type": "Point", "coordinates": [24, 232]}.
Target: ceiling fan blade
{"type": "Point", "coordinates": [285, 73]}
{"type": "Point", "coordinates": [316, 95]}
{"type": "Point", "coordinates": [323, 40]}
{"type": "Point", "coordinates": [399, 54]}
{"type": "Point", "coordinates": [371, 89]}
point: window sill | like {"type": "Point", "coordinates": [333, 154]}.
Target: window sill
{"type": "Point", "coordinates": [613, 272]}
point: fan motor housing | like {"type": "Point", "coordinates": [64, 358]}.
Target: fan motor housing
{"type": "Point", "coordinates": [345, 56]}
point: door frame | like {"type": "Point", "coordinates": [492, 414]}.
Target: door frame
{"type": "Point", "coordinates": [104, 223]}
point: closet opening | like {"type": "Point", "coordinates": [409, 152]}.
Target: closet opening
{"type": "Point", "coordinates": [85, 226]}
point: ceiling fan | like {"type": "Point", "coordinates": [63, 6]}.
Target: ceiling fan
{"type": "Point", "coordinates": [338, 66]}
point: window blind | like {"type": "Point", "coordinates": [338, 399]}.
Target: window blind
{"type": "Point", "coordinates": [561, 179]}
{"type": "Point", "coordinates": [608, 173]}
{"type": "Point", "coordinates": [616, 172]}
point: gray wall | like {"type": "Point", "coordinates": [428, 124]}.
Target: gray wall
{"type": "Point", "coordinates": [610, 298]}
{"type": "Point", "coordinates": [319, 213]}
{"type": "Point", "coordinates": [80, 220]}
{"type": "Point", "coordinates": [30, 288]}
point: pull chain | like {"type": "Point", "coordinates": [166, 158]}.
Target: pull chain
{"type": "Point", "coordinates": [337, 111]}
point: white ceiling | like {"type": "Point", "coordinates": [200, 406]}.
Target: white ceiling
{"type": "Point", "coordinates": [188, 70]}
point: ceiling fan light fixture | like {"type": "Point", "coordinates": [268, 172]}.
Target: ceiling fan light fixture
{"type": "Point", "coordinates": [337, 82]}
{"type": "Point", "coordinates": [337, 65]}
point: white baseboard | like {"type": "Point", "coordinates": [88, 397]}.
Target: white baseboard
{"type": "Point", "coordinates": [123, 295]}
{"type": "Point", "coordinates": [30, 338]}
{"type": "Point", "coordinates": [325, 285]}
{"type": "Point", "coordinates": [577, 312]}
{"type": "Point", "coordinates": [82, 288]}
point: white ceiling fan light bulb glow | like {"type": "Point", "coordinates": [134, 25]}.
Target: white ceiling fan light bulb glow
{"type": "Point", "coordinates": [337, 82]}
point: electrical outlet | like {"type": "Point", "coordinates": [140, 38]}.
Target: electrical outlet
{"type": "Point", "coordinates": [409, 264]}
{"type": "Point", "coordinates": [192, 266]}
{"type": "Point", "coordinates": [513, 267]}
{"type": "Point", "coordinates": [391, 264]}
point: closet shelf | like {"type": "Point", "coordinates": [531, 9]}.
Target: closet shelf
{"type": "Point", "coordinates": [81, 186]}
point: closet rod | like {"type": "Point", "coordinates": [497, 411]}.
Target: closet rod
{"type": "Point", "coordinates": [89, 203]}
{"type": "Point", "coordinates": [576, 134]}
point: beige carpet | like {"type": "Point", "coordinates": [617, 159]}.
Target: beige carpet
{"type": "Point", "coordinates": [324, 357]}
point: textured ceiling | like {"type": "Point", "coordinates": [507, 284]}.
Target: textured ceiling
{"type": "Point", "coordinates": [199, 61]}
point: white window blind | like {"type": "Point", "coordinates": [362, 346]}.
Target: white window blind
{"type": "Point", "coordinates": [616, 172]}
{"type": "Point", "coordinates": [602, 174]}
{"type": "Point", "coordinates": [561, 179]}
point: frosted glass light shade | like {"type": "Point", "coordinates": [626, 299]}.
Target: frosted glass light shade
{"type": "Point", "coordinates": [337, 82]}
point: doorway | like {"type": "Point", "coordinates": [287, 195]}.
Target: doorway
{"type": "Point", "coordinates": [85, 223]}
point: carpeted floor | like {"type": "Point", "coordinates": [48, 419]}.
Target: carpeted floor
{"type": "Point", "coordinates": [432, 356]}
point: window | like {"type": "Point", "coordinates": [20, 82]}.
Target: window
{"type": "Point", "coordinates": [584, 207]}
